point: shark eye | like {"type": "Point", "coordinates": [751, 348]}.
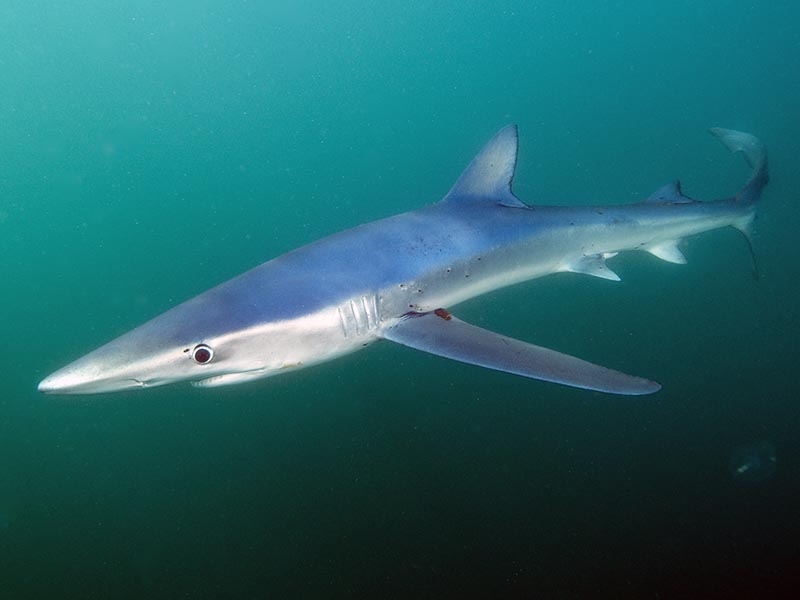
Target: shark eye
{"type": "Point", "coordinates": [202, 354]}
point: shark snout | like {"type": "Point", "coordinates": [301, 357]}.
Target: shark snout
{"type": "Point", "coordinates": [52, 384]}
{"type": "Point", "coordinates": [82, 380]}
{"type": "Point", "coordinates": [62, 383]}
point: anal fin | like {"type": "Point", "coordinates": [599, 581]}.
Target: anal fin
{"type": "Point", "coordinates": [668, 251]}
{"type": "Point", "coordinates": [440, 333]}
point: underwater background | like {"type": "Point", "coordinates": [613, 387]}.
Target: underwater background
{"type": "Point", "coordinates": [151, 150]}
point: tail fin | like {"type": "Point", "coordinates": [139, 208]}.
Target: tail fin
{"type": "Point", "coordinates": [756, 156]}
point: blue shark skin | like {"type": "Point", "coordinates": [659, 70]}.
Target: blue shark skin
{"type": "Point", "coordinates": [397, 278]}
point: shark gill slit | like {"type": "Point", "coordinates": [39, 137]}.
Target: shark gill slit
{"type": "Point", "coordinates": [358, 316]}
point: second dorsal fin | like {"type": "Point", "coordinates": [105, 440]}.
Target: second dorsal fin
{"type": "Point", "coordinates": [668, 194]}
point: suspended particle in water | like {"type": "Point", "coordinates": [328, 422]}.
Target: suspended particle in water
{"type": "Point", "coordinates": [754, 462]}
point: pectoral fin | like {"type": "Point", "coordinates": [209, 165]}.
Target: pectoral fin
{"type": "Point", "coordinates": [440, 333]}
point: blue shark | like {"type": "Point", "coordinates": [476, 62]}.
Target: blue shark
{"type": "Point", "coordinates": [398, 278]}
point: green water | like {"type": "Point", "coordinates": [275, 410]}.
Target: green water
{"type": "Point", "coordinates": [151, 150]}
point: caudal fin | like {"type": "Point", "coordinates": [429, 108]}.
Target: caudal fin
{"type": "Point", "coordinates": [756, 156]}
{"type": "Point", "coordinates": [754, 153]}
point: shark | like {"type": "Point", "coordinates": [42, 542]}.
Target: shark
{"type": "Point", "coordinates": [398, 279]}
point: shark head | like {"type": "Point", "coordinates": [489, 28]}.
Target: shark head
{"type": "Point", "coordinates": [162, 351]}
{"type": "Point", "coordinates": [206, 341]}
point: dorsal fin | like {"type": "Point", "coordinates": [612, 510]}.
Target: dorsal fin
{"type": "Point", "coordinates": [488, 177]}
{"type": "Point", "coordinates": [668, 194]}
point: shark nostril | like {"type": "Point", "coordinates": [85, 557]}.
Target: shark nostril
{"type": "Point", "coordinates": [202, 354]}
